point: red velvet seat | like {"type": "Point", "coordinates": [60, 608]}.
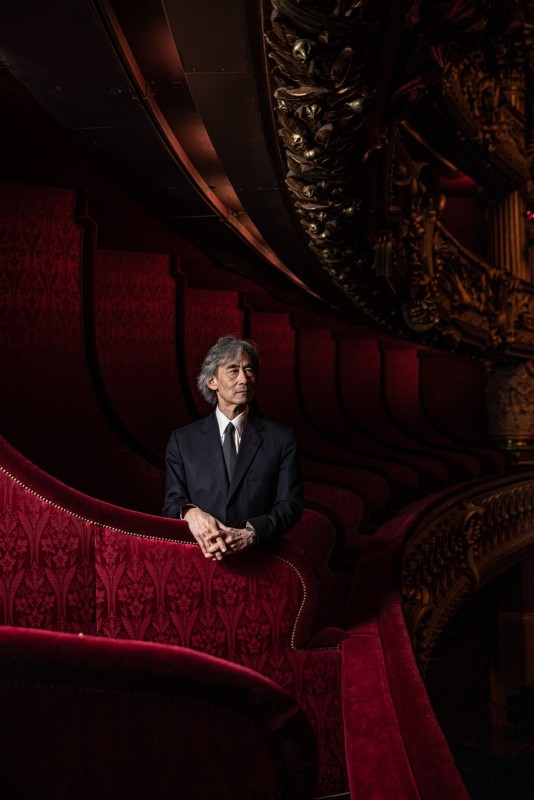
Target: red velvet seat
{"type": "Point", "coordinates": [136, 301]}
{"type": "Point", "coordinates": [48, 407]}
{"type": "Point", "coordinates": [346, 505]}
{"type": "Point", "coordinates": [70, 563]}
{"type": "Point", "coordinates": [453, 395]}
{"type": "Point", "coordinates": [402, 391]}
{"type": "Point", "coordinates": [90, 718]}
{"type": "Point", "coordinates": [316, 356]}
{"type": "Point", "coordinates": [279, 400]}
{"type": "Point", "coordinates": [360, 370]}
{"type": "Point", "coordinates": [392, 736]}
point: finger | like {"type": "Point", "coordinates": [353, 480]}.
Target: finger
{"type": "Point", "coordinates": [225, 529]}
{"type": "Point", "coordinates": [214, 556]}
{"type": "Point", "coordinates": [210, 534]}
{"type": "Point", "coordinates": [200, 541]}
{"type": "Point", "coordinates": [214, 546]}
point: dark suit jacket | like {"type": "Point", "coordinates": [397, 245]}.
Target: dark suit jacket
{"type": "Point", "coordinates": [266, 488]}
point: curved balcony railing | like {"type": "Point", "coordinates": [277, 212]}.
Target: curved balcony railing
{"type": "Point", "coordinates": [459, 543]}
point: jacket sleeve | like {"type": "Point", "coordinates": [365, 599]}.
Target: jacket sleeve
{"type": "Point", "coordinates": [176, 491]}
{"type": "Point", "coordinates": [287, 506]}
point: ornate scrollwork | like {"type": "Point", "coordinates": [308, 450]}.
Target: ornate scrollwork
{"type": "Point", "coordinates": [477, 297]}
{"type": "Point", "coordinates": [325, 67]}
{"type": "Point", "coordinates": [489, 119]}
{"type": "Point", "coordinates": [322, 88]}
{"type": "Point", "coordinates": [510, 394]}
{"type": "Point", "coordinates": [422, 203]}
{"type": "Point", "coordinates": [371, 216]}
{"type": "Point", "coordinates": [448, 557]}
{"type": "Point", "coordinates": [447, 560]}
{"type": "Point", "coordinates": [447, 288]}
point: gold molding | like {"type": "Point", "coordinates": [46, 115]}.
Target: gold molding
{"type": "Point", "coordinates": [372, 215]}
{"type": "Point", "coordinates": [457, 547]}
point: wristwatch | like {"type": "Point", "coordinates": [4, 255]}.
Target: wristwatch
{"type": "Point", "coordinates": [252, 530]}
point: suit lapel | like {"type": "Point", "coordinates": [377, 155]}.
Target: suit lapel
{"type": "Point", "coordinates": [211, 444]}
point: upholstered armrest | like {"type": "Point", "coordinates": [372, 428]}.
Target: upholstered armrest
{"type": "Point", "coordinates": [152, 582]}
{"type": "Point", "coordinates": [86, 717]}
{"type": "Point", "coordinates": [71, 563]}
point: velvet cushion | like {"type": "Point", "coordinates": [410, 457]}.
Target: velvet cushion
{"type": "Point", "coordinates": [48, 406]}
{"type": "Point", "coordinates": [135, 303]}
{"type": "Point", "coordinates": [392, 737]}
{"type": "Point", "coordinates": [90, 718]}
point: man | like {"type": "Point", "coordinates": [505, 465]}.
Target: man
{"type": "Point", "coordinates": [233, 476]}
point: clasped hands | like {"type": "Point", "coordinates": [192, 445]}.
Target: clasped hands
{"type": "Point", "coordinates": [215, 539]}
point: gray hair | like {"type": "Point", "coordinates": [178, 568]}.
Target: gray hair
{"type": "Point", "coordinates": [226, 349]}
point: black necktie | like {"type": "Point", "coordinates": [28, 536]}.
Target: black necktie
{"type": "Point", "coordinates": [230, 454]}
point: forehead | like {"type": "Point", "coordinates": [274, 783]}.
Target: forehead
{"type": "Point", "coordinates": [240, 359]}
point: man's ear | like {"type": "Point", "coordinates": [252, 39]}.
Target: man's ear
{"type": "Point", "coordinates": [212, 383]}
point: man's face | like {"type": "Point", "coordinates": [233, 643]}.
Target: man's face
{"type": "Point", "coordinates": [235, 384]}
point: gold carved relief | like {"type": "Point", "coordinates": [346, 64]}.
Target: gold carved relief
{"type": "Point", "coordinates": [371, 216]}
{"type": "Point", "coordinates": [486, 116]}
{"type": "Point", "coordinates": [321, 72]}
{"type": "Point", "coordinates": [457, 549]}
{"type": "Point", "coordinates": [441, 285]}
{"type": "Point", "coordinates": [510, 400]}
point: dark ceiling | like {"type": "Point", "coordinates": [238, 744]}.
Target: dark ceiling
{"type": "Point", "coordinates": [165, 123]}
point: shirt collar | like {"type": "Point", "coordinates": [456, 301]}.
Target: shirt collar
{"type": "Point", "coordinates": [239, 421]}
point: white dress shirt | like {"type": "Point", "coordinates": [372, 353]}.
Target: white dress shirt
{"type": "Point", "coordinates": [238, 423]}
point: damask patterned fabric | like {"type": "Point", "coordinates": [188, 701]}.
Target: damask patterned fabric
{"type": "Point", "coordinates": [48, 406]}
{"type": "Point", "coordinates": [63, 568]}
{"type": "Point", "coordinates": [135, 308]}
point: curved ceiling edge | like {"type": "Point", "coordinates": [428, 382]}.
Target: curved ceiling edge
{"type": "Point", "coordinates": [87, 80]}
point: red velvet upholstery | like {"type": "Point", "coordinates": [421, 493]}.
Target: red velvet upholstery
{"type": "Point", "coordinates": [276, 339]}
{"type": "Point", "coordinates": [360, 378]}
{"type": "Point", "coordinates": [66, 563]}
{"type": "Point", "coordinates": [391, 733]}
{"type": "Point", "coordinates": [319, 458]}
{"type": "Point", "coordinates": [402, 392]}
{"type": "Point", "coordinates": [71, 563]}
{"type": "Point", "coordinates": [48, 407]}
{"type": "Point", "coordinates": [317, 356]}
{"type": "Point", "coordinates": [347, 506]}
{"type": "Point", "coordinates": [89, 718]}
{"type": "Point", "coordinates": [135, 309]}
{"type": "Point", "coordinates": [369, 485]}
{"type": "Point", "coordinates": [453, 396]}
